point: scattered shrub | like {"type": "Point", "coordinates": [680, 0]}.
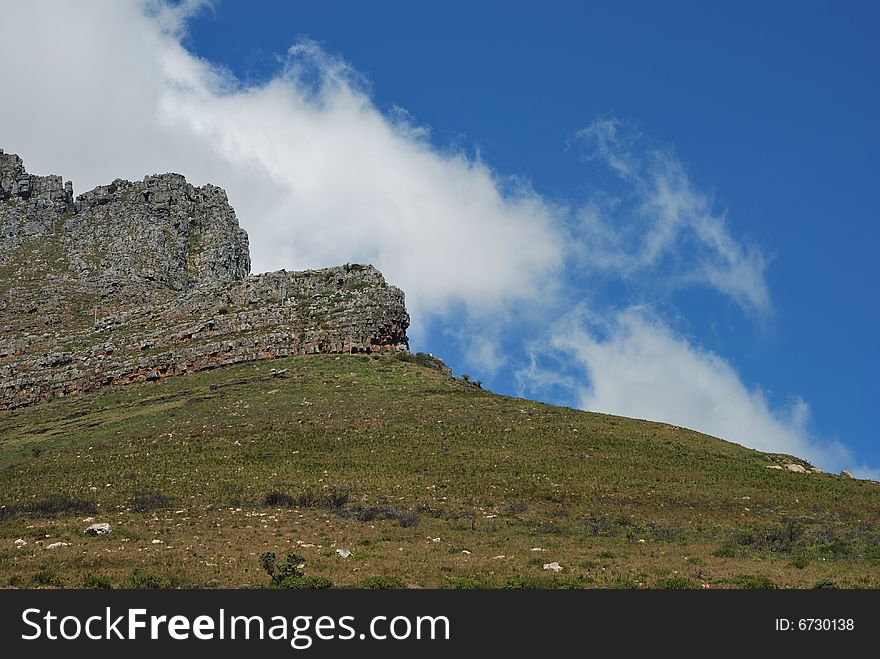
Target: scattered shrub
{"type": "Point", "coordinates": [305, 583]}
{"type": "Point", "coordinates": [278, 500]}
{"type": "Point", "coordinates": [404, 517]}
{"type": "Point", "coordinates": [676, 583]}
{"type": "Point", "coordinates": [800, 562]}
{"type": "Point", "coordinates": [462, 583]}
{"type": "Point", "coordinates": [755, 583]}
{"type": "Point", "coordinates": [148, 501]}
{"type": "Point", "coordinates": [95, 582]}
{"type": "Point", "coordinates": [291, 568]}
{"type": "Point", "coordinates": [826, 584]}
{"type": "Point", "coordinates": [727, 550]}
{"type": "Point", "coordinates": [142, 580]}
{"type": "Point", "coordinates": [47, 578]}
{"type": "Point", "coordinates": [337, 499]}
{"type": "Point", "coordinates": [381, 583]}
{"type": "Point", "coordinates": [541, 583]}
{"type": "Point", "coordinates": [57, 504]}
{"type": "Point", "coordinates": [308, 499]}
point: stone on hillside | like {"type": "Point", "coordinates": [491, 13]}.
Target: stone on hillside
{"type": "Point", "coordinates": [556, 567]}
{"type": "Point", "coordinates": [98, 529]}
{"type": "Point", "coordinates": [846, 474]}
{"type": "Point", "coordinates": [796, 468]}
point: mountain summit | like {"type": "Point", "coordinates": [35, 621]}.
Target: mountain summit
{"type": "Point", "coordinates": [140, 280]}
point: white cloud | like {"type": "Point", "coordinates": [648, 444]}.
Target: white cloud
{"type": "Point", "coordinates": [633, 364]}
{"type": "Point", "coordinates": [662, 223]}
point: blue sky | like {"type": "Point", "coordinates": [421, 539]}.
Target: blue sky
{"type": "Point", "coordinates": [660, 210]}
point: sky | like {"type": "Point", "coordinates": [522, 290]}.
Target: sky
{"type": "Point", "coordinates": [660, 210]}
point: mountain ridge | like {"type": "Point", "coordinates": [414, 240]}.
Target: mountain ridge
{"type": "Point", "coordinates": [136, 281]}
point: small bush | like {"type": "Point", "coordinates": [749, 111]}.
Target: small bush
{"type": "Point", "coordinates": [291, 569]}
{"type": "Point", "coordinates": [278, 500]}
{"type": "Point", "coordinates": [304, 583]}
{"type": "Point", "coordinates": [622, 583]}
{"type": "Point", "coordinates": [826, 584]}
{"type": "Point", "coordinates": [15, 581]}
{"type": "Point", "coordinates": [381, 583]}
{"type": "Point", "coordinates": [726, 550]}
{"type": "Point", "coordinates": [142, 580]}
{"type": "Point", "coordinates": [541, 583]}
{"type": "Point", "coordinates": [337, 499]}
{"type": "Point", "coordinates": [404, 517]}
{"type": "Point", "coordinates": [800, 562]}
{"type": "Point", "coordinates": [462, 583]}
{"type": "Point", "coordinates": [95, 582]}
{"type": "Point", "coordinates": [47, 578]}
{"type": "Point", "coordinates": [676, 583]}
{"type": "Point", "coordinates": [148, 501]}
{"type": "Point", "coordinates": [755, 583]}
{"type": "Point", "coordinates": [57, 504]}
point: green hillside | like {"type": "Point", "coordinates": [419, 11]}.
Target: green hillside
{"type": "Point", "coordinates": [427, 479]}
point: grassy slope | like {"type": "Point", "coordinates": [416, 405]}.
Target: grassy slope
{"type": "Point", "coordinates": [617, 502]}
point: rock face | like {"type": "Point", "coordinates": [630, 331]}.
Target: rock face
{"type": "Point", "coordinates": [139, 281]}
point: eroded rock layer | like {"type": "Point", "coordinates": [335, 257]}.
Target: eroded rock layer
{"type": "Point", "coordinates": [142, 280]}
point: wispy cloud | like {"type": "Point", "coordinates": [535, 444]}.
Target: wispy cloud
{"type": "Point", "coordinates": [634, 364]}
{"type": "Point", "coordinates": [661, 223]}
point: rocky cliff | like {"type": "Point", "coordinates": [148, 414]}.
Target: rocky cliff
{"type": "Point", "coordinates": [142, 280]}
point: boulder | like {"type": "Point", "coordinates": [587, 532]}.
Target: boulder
{"type": "Point", "coordinates": [98, 529]}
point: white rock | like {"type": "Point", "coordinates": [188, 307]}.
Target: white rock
{"type": "Point", "coordinates": [465, 551]}
{"type": "Point", "coordinates": [796, 468]}
{"type": "Point", "coordinates": [435, 539]}
{"type": "Point", "coordinates": [556, 567]}
{"type": "Point", "coordinates": [99, 529]}
{"type": "Point", "coordinates": [537, 549]}
{"type": "Point", "coordinates": [342, 551]}
{"type": "Point", "coordinates": [773, 467]}
{"type": "Point", "coordinates": [56, 545]}
{"type": "Point", "coordinates": [158, 542]}
{"type": "Point", "coordinates": [20, 543]}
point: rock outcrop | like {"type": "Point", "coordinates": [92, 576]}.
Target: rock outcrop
{"type": "Point", "coordinates": [137, 281]}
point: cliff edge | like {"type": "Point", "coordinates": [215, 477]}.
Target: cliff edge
{"type": "Point", "coordinates": [142, 280]}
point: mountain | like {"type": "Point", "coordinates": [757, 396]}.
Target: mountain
{"type": "Point", "coordinates": [209, 418]}
{"type": "Point", "coordinates": [139, 281]}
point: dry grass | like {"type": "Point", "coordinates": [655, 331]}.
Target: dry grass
{"type": "Point", "coordinates": [384, 457]}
